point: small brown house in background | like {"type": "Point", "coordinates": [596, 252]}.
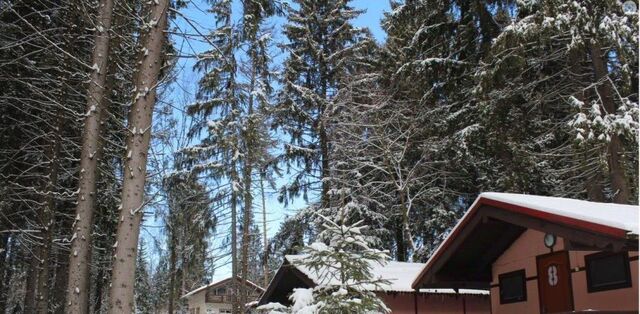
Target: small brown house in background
{"type": "Point", "coordinates": [397, 295]}
{"type": "Point", "coordinates": [216, 297]}
{"type": "Point", "coordinates": [542, 255]}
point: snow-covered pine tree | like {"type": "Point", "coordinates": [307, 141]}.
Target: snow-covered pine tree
{"type": "Point", "coordinates": [232, 107]}
{"type": "Point", "coordinates": [321, 43]}
{"type": "Point", "coordinates": [255, 137]}
{"type": "Point", "coordinates": [143, 293]}
{"type": "Point", "coordinates": [218, 112]}
{"type": "Point", "coordinates": [159, 280]}
{"type": "Point", "coordinates": [42, 68]}
{"type": "Point", "coordinates": [189, 222]}
{"type": "Point", "coordinates": [41, 129]}
{"type": "Point", "coordinates": [342, 258]}
{"type": "Point", "coordinates": [561, 72]}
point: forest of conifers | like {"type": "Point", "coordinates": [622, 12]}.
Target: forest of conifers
{"type": "Point", "coordinates": [460, 97]}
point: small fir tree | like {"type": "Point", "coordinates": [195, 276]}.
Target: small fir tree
{"type": "Point", "coordinates": [342, 258]}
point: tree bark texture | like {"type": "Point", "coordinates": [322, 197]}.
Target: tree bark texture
{"type": "Point", "coordinates": [248, 196]}
{"type": "Point", "coordinates": [4, 248]}
{"type": "Point", "coordinates": [60, 280]}
{"type": "Point", "coordinates": [265, 259]}
{"type": "Point", "coordinates": [172, 270]}
{"type": "Point", "coordinates": [80, 252]}
{"type": "Point", "coordinates": [121, 293]}
{"type": "Point", "coordinates": [31, 283]}
{"type": "Point", "coordinates": [234, 247]}
{"type": "Point", "coordinates": [47, 217]}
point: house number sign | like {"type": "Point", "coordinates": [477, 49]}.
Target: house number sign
{"type": "Point", "coordinates": [552, 271]}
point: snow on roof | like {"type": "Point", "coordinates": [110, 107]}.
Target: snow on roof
{"type": "Point", "coordinates": [215, 283]}
{"type": "Point", "coordinates": [624, 217]}
{"type": "Point", "coordinates": [399, 274]}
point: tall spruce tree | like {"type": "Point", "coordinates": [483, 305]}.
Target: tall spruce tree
{"type": "Point", "coordinates": [218, 112]}
{"type": "Point", "coordinates": [321, 43]}
{"type": "Point", "coordinates": [255, 137]}
{"type": "Point", "coordinates": [232, 107]}
{"type": "Point", "coordinates": [189, 223]}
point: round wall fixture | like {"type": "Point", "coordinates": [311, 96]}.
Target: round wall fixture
{"type": "Point", "coordinates": [629, 7]}
{"type": "Point", "coordinates": [549, 240]}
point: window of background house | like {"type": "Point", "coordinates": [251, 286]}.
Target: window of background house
{"type": "Point", "coordinates": [607, 271]}
{"type": "Point", "coordinates": [513, 287]}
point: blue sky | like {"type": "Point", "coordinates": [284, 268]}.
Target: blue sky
{"type": "Point", "coordinates": [182, 91]}
{"type": "Point", "coordinates": [371, 18]}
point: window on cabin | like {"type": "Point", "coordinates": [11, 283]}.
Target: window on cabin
{"type": "Point", "coordinates": [607, 271]}
{"type": "Point", "coordinates": [221, 291]}
{"type": "Point", "coordinates": [513, 287]}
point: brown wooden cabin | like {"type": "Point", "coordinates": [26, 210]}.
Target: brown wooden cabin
{"type": "Point", "coordinates": [541, 254]}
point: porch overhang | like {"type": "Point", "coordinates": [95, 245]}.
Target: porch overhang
{"type": "Point", "coordinates": [284, 281]}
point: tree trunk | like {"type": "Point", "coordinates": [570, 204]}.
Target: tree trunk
{"type": "Point", "coordinates": [101, 279]}
{"type": "Point", "coordinates": [6, 280]}
{"type": "Point", "coordinates": [234, 247]}
{"type": "Point", "coordinates": [246, 229]}
{"type": "Point", "coordinates": [593, 183]}
{"type": "Point", "coordinates": [322, 133]}
{"type": "Point", "coordinates": [406, 229]}
{"type": "Point", "coordinates": [172, 271]}
{"type": "Point", "coordinates": [100, 284]}
{"type": "Point", "coordinates": [248, 197]}
{"type": "Point", "coordinates": [4, 248]}
{"type": "Point", "coordinates": [324, 149]}
{"type": "Point", "coordinates": [401, 251]}
{"type": "Point", "coordinates": [265, 259]}
{"type": "Point", "coordinates": [488, 27]}
{"type": "Point", "coordinates": [60, 282]}
{"type": "Point", "coordinates": [47, 217]}
{"type": "Point", "coordinates": [80, 251]}
{"type": "Point", "coordinates": [617, 176]}
{"type": "Point", "coordinates": [121, 293]}
{"type": "Point", "coordinates": [31, 283]}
